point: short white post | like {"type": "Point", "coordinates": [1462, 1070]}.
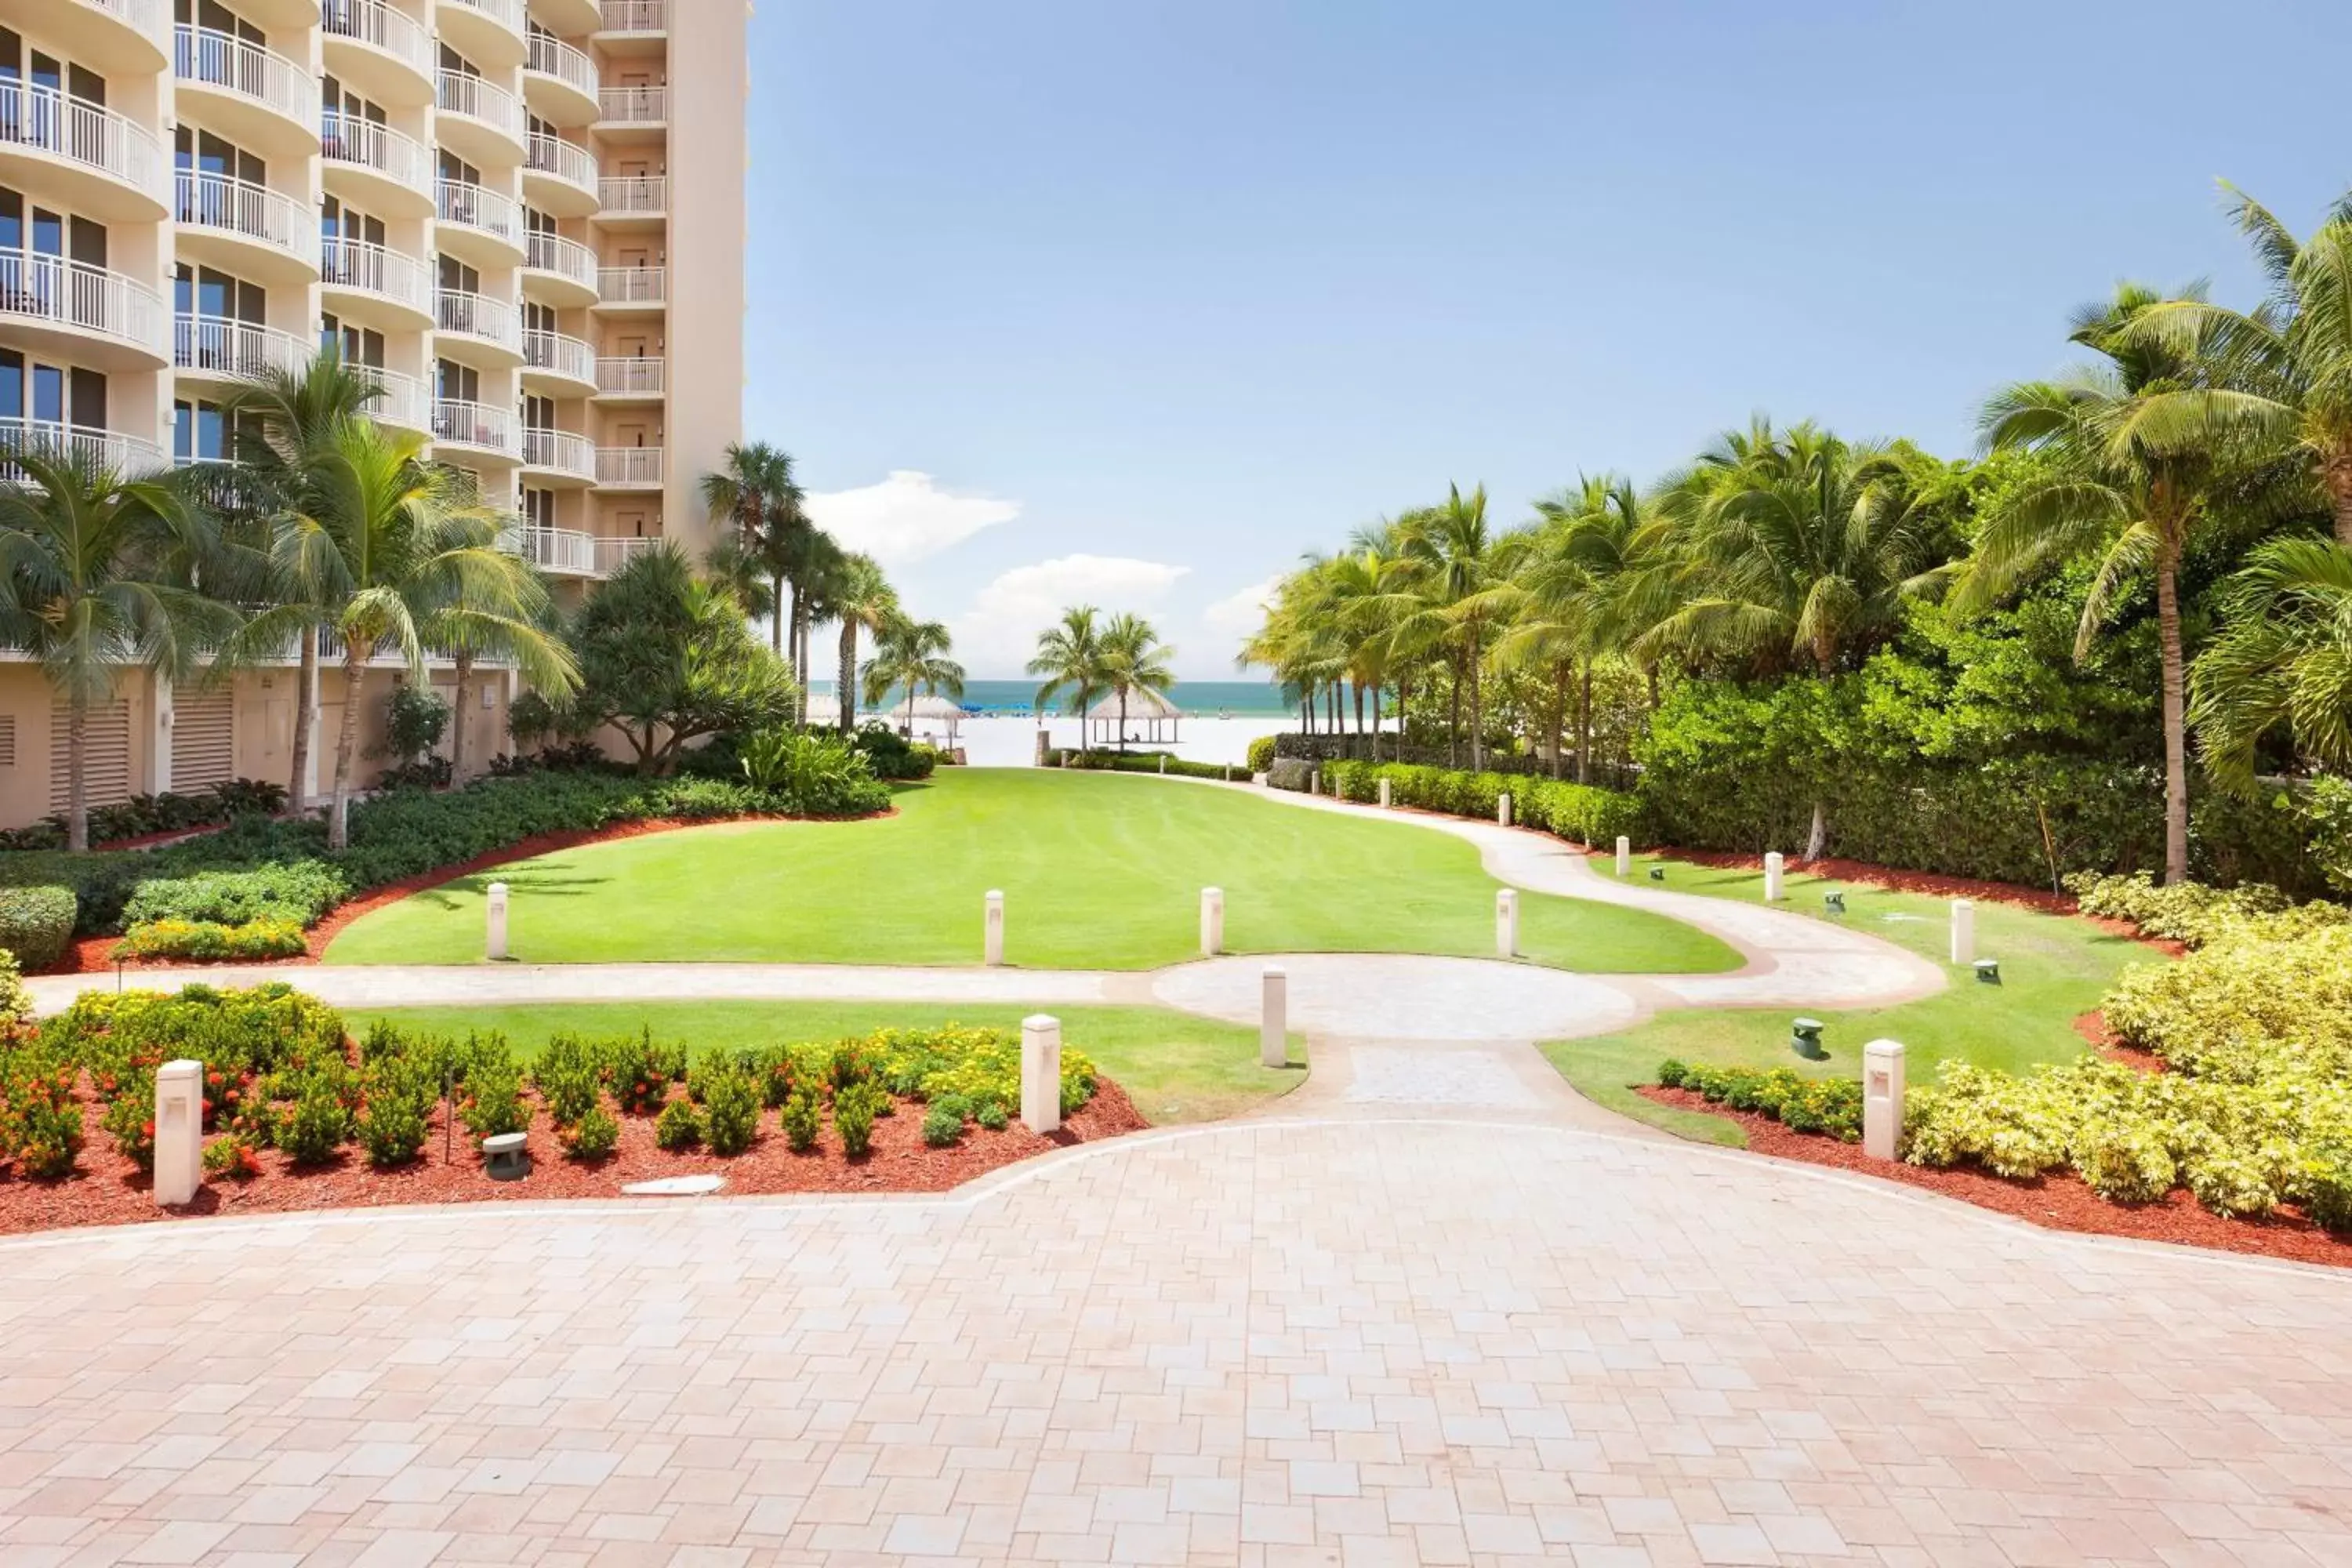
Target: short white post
{"type": "Point", "coordinates": [1163, 764]}
{"type": "Point", "coordinates": [1274, 1019]}
{"type": "Point", "coordinates": [992, 937]}
{"type": "Point", "coordinates": [498, 944]}
{"type": "Point", "coordinates": [1384, 794]}
{"type": "Point", "coordinates": [1315, 781]}
{"type": "Point", "coordinates": [1041, 1072]}
{"type": "Point", "coordinates": [179, 1132]}
{"type": "Point", "coordinates": [1775, 867]}
{"type": "Point", "coordinates": [1964, 931]}
{"type": "Point", "coordinates": [1882, 1099]}
{"type": "Point", "coordinates": [1503, 809]}
{"type": "Point", "coordinates": [1506, 923]}
{"type": "Point", "coordinates": [1213, 922]}
{"type": "Point", "coordinates": [1624, 855]}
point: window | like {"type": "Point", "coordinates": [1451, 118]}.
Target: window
{"type": "Point", "coordinates": [455, 383]}
{"type": "Point", "coordinates": [337, 222]}
{"type": "Point", "coordinates": [354, 344]}
{"type": "Point", "coordinates": [199, 433]}
{"type": "Point", "coordinates": [539, 508]}
{"type": "Point", "coordinates": [457, 278]}
{"type": "Point", "coordinates": [200, 153]}
{"type": "Point", "coordinates": [537, 318]}
{"type": "Point", "coordinates": [206, 291]}
{"type": "Point", "coordinates": [216, 18]}
{"type": "Point", "coordinates": [538, 412]}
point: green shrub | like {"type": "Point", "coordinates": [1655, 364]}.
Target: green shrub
{"type": "Point", "coordinates": [233, 1156]}
{"type": "Point", "coordinates": [992, 1114]}
{"type": "Point", "coordinates": [268, 937]}
{"type": "Point", "coordinates": [1260, 754]}
{"type": "Point", "coordinates": [494, 1103]}
{"type": "Point", "coordinates": [854, 1110]}
{"type": "Point", "coordinates": [48, 1135]}
{"type": "Point", "coordinates": [570, 1075]}
{"type": "Point", "coordinates": [1671, 1073]}
{"type": "Point", "coordinates": [1832, 1107]}
{"type": "Point", "coordinates": [300, 891]}
{"type": "Point", "coordinates": [320, 1123]}
{"type": "Point", "coordinates": [641, 1068]}
{"type": "Point", "coordinates": [130, 1116]}
{"type": "Point", "coordinates": [802, 1120]}
{"type": "Point", "coordinates": [679, 1125]}
{"type": "Point", "coordinates": [396, 1111]}
{"type": "Point", "coordinates": [942, 1126]}
{"type": "Point", "coordinates": [35, 923]}
{"type": "Point", "coordinates": [15, 1001]}
{"type": "Point", "coordinates": [892, 756]}
{"type": "Point", "coordinates": [731, 1102]}
{"type": "Point", "coordinates": [594, 1136]}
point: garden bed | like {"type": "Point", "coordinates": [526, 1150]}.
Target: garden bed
{"type": "Point", "coordinates": [2057, 1201]}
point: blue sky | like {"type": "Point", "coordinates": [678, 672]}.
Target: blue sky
{"type": "Point", "coordinates": [1134, 302]}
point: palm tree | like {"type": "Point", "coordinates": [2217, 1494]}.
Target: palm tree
{"type": "Point", "coordinates": [2128, 479]}
{"type": "Point", "coordinates": [2285, 662]}
{"type": "Point", "coordinates": [1366, 595]}
{"type": "Point", "coordinates": [861, 599]}
{"type": "Point", "coordinates": [389, 546]}
{"type": "Point", "coordinates": [1454, 551]}
{"type": "Point", "coordinates": [1134, 659]}
{"type": "Point", "coordinates": [757, 493]}
{"type": "Point", "coordinates": [522, 631]}
{"type": "Point", "coordinates": [1070, 657]}
{"type": "Point", "coordinates": [912, 654]}
{"type": "Point", "coordinates": [98, 571]}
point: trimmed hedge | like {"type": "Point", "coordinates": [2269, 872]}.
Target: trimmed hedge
{"type": "Point", "coordinates": [300, 891]}
{"type": "Point", "coordinates": [1143, 762]}
{"type": "Point", "coordinates": [269, 936]}
{"type": "Point", "coordinates": [1583, 814]}
{"type": "Point", "coordinates": [144, 814]}
{"type": "Point", "coordinates": [35, 923]}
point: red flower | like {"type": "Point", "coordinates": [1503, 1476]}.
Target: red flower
{"type": "Point", "coordinates": [214, 1077]}
{"type": "Point", "coordinates": [148, 1130]}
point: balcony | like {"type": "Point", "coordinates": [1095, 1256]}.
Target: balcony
{"type": "Point", "coordinates": [479, 225]}
{"type": "Point", "coordinates": [369, 281]}
{"type": "Point", "coordinates": [478, 429]}
{"type": "Point", "coordinates": [247, 229]}
{"type": "Point", "coordinates": [560, 271]}
{"type": "Point", "coordinates": [97, 160]}
{"type": "Point", "coordinates": [634, 26]}
{"type": "Point", "coordinates": [478, 322]}
{"type": "Point", "coordinates": [612, 554]}
{"type": "Point", "coordinates": [379, 49]}
{"type": "Point", "coordinates": [491, 31]}
{"type": "Point", "coordinates": [132, 36]}
{"type": "Point", "coordinates": [633, 113]}
{"type": "Point", "coordinates": [560, 177]}
{"type": "Point", "coordinates": [560, 82]}
{"type": "Point", "coordinates": [382, 170]}
{"type": "Point", "coordinates": [627, 380]}
{"type": "Point", "coordinates": [248, 93]}
{"type": "Point", "coordinates": [632, 288]}
{"type": "Point", "coordinates": [558, 365]}
{"type": "Point", "coordinates": [224, 349]}
{"type": "Point", "coordinates": [559, 456]}
{"type": "Point", "coordinates": [82, 312]}
{"type": "Point", "coordinates": [87, 444]}
{"type": "Point", "coordinates": [480, 121]}
{"type": "Point", "coordinates": [403, 402]}
{"type": "Point", "coordinates": [559, 552]}
{"type": "Point", "coordinates": [632, 199]}
{"type": "Point", "coordinates": [629, 467]}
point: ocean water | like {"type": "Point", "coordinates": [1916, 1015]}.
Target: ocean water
{"type": "Point", "coordinates": [1205, 699]}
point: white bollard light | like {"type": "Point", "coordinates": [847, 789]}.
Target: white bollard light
{"type": "Point", "coordinates": [498, 943]}
{"type": "Point", "coordinates": [993, 934]}
{"type": "Point", "coordinates": [179, 1132]}
{"type": "Point", "coordinates": [1315, 781]}
{"type": "Point", "coordinates": [1624, 855]}
{"type": "Point", "coordinates": [1964, 931]}
{"type": "Point", "coordinates": [1274, 1019]}
{"type": "Point", "coordinates": [1163, 764]}
{"type": "Point", "coordinates": [1775, 868]}
{"type": "Point", "coordinates": [1213, 922]}
{"type": "Point", "coordinates": [1384, 794]}
{"type": "Point", "coordinates": [1041, 1072]}
{"type": "Point", "coordinates": [1882, 1099]}
{"type": "Point", "coordinates": [1506, 923]}
{"type": "Point", "coordinates": [1503, 809]}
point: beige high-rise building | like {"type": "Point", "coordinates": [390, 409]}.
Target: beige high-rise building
{"type": "Point", "coordinates": [527, 214]}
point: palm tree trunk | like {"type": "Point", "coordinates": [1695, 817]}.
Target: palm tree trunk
{"type": "Point", "coordinates": [1360, 719]}
{"type": "Point", "coordinates": [1584, 728]}
{"type": "Point", "coordinates": [1557, 724]}
{"type": "Point", "coordinates": [339, 825]}
{"type": "Point", "coordinates": [842, 689]}
{"type": "Point", "coordinates": [1122, 720]}
{"type": "Point", "coordinates": [1477, 739]}
{"type": "Point", "coordinates": [457, 726]}
{"type": "Point", "coordinates": [306, 703]}
{"type": "Point", "coordinates": [776, 615]}
{"type": "Point", "coordinates": [2175, 739]}
{"type": "Point", "coordinates": [2336, 473]}
{"type": "Point", "coordinates": [1453, 716]}
{"type": "Point", "coordinates": [77, 777]}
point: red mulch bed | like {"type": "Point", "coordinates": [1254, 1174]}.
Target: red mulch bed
{"type": "Point", "coordinates": [2056, 1201]}
{"type": "Point", "coordinates": [112, 1190]}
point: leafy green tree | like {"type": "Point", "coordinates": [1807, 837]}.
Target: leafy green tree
{"type": "Point", "coordinates": [2283, 663]}
{"type": "Point", "coordinates": [98, 572]}
{"type": "Point", "coordinates": [1070, 657]}
{"type": "Point", "coordinates": [1134, 659]}
{"type": "Point", "coordinates": [912, 654]}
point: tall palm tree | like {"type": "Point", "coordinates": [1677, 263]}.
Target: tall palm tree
{"type": "Point", "coordinates": [522, 630]}
{"type": "Point", "coordinates": [2127, 479]}
{"type": "Point", "coordinates": [1070, 657]}
{"type": "Point", "coordinates": [98, 572]}
{"type": "Point", "coordinates": [860, 599]}
{"type": "Point", "coordinates": [1366, 595]}
{"type": "Point", "coordinates": [757, 495]}
{"type": "Point", "coordinates": [2285, 662]}
{"type": "Point", "coordinates": [1134, 659]}
{"type": "Point", "coordinates": [912, 654]}
{"type": "Point", "coordinates": [1453, 550]}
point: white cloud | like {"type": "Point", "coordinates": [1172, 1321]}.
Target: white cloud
{"type": "Point", "coordinates": [997, 634]}
{"type": "Point", "coordinates": [906, 518]}
{"type": "Point", "coordinates": [1238, 615]}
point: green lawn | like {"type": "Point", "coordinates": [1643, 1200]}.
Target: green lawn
{"type": "Point", "coordinates": [2053, 970]}
{"type": "Point", "coordinates": [1175, 1066]}
{"type": "Point", "coordinates": [1100, 871]}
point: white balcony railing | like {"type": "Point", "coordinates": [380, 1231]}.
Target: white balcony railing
{"type": "Point", "coordinates": [558, 550]}
{"type": "Point", "coordinates": [643, 193]}
{"type": "Point", "coordinates": [564, 258]}
{"type": "Point", "coordinates": [571, 163]}
{"type": "Point", "coordinates": [630, 377]}
{"type": "Point", "coordinates": [248, 210]}
{"type": "Point", "coordinates": [612, 554]}
{"type": "Point", "coordinates": [386, 28]}
{"type": "Point", "coordinates": [474, 425]}
{"type": "Point", "coordinates": [43, 119]}
{"type": "Point", "coordinates": [372, 145]}
{"type": "Point", "coordinates": [226, 347]}
{"type": "Point", "coordinates": [405, 402]}
{"type": "Point", "coordinates": [551, 57]}
{"type": "Point", "coordinates": [376, 269]}
{"type": "Point", "coordinates": [632, 285]}
{"type": "Point", "coordinates": [560, 450]}
{"type": "Point", "coordinates": [144, 16]}
{"type": "Point", "coordinates": [60, 293]}
{"type": "Point", "coordinates": [559, 355]}
{"type": "Point", "coordinates": [101, 448]}
{"type": "Point", "coordinates": [215, 58]}
{"type": "Point", "coordinates": [476, 207]}
{"type": "Point", "coordinates": [629, 465]}
{"type": "Point", "coordinates": [507, 14]}
{"type": "Point", "coordinates": [476, 98]}
{"type": "Point", "coordinates": [636, 16]}
{"type": "Point", "coordinates": [633, 105]}
{"type": "Point", "coordinates": [476, 315]}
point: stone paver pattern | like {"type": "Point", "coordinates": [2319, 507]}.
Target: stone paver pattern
{"type": "Point", "coordinates": [1259, 1344]}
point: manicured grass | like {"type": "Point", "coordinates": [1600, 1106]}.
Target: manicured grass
{"type": "Point", "coordinates": [1175, 1066]}
{"type": "Point", "coordinates": [2053, 970]}
{"type": "Point", "coordinates": [1100, 871]}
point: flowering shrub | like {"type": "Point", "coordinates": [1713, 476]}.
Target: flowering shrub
{"type": "Point", "coordinates": [397, 1110]}
{"type": "Point", "coordinates": [233, 1157]}
{"type": "Point", "coordinates": [594, 1136]}
{"type": "Point", "coordinates": [269, 936]}
{"type": "Point", "coordinates": [1831, 1105]}
{"type": "Point", "coordinates": [41, 1121]}
{"type": "Point", "coordinates": [679, 1125]}
{"type": "Point", "coordinates": [978, 1066]}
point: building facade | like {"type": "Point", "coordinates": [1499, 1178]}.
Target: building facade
{"type": "Point", "coordinates": [527, 216]}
